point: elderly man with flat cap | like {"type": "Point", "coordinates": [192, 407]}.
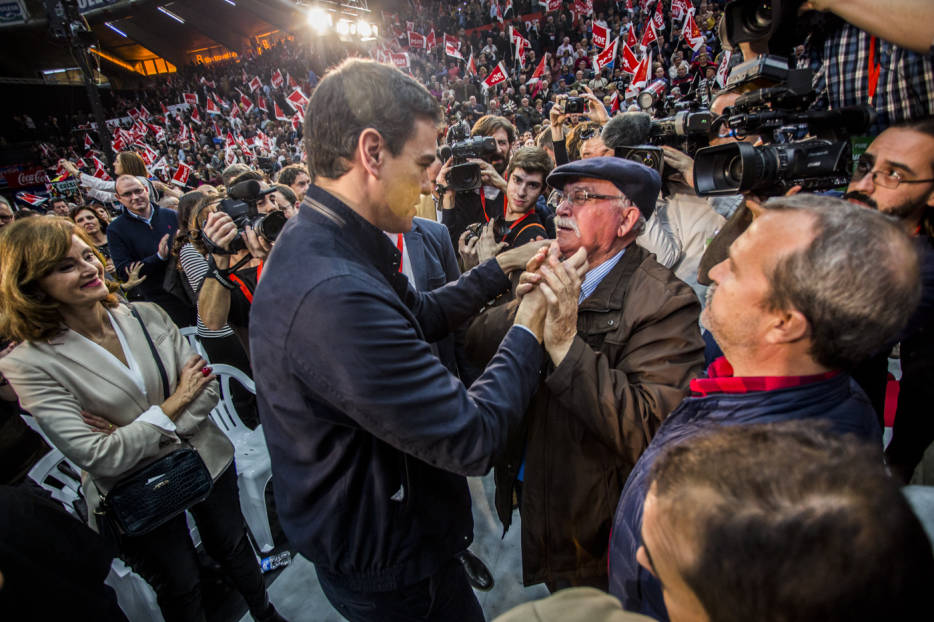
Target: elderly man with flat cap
{"type": "Point", "coordinates": [622, 344]}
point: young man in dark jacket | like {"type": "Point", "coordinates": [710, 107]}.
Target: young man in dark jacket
{"type": "Point", "coordinates": [810, 289]}
{"type": "Point", "coordinates": [370, 434]}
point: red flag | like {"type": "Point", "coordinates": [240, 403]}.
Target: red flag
{"type": "Point", "coordinates": [614, 103]}
{"type": "Point", "coordinates": [692, 33]}
{"type": "Point", "coordinates": [551, 5]}
{"type": "Point", "coordinates": [499, 11]}
{"type": "Point", "coordinates": [234, 112]}
{"type": "Point", "coordinates": [471, 65]}
{"type": "Point", "coordinates": [631, 40]}
{"type": "Point", "coordinates": [276, 79]}
{"type": "Point", "coordinates": [677, 9]}
{"type": "Point", "coordinates": [191, 98]}
{"type": "Point", "coordinates": [183, 134]}
{"type": "Point", "coordinates": [599, 36]}
{"type": "Point", "coordinates": [32, 199]}
{"type": "Point", "coordinates": [261, 103]}
{"type": "Point", "coordinates": [430, 40]}
{"type": "Point", "coordinates": [648, 36]}
{"type": "Point", "coordinates": [539, 71]}
{"type": "Point", "coordinates": [165, 111]}
{"type": "Point", "coordinates": [630, 64]}
{"type": "Point", "coordinates": [147, 153]}
{"type": "Point", "coordinates": [195, 115]}
{"type": "Point", "coordinates": [499, 74]}
{"type": "Point", "coordinates": [88, 144]}
{"type": "Point", "coordinates": [451, 39]}
{"type": "Point", "coordinates": [401, 60]}
{"type": "Point", "coordinates": [723, 71]}
{"type": "Point", "coordinates": [207, 82]}
{"type": "Point", "coordinates": [642, 74]}
{"type": "Point", "coordinates": [451, 50]}
{"type": "Point", "coordinates": [229, 141]}
{"type": "Point", "coordinates": [255, 83]}
{"type": "Point", "coordinates": [280, 116]}
{"type": "Point", "coordinates": [416, 41]}
{"type": "Point", "coordinates": [160, 165]}
{"type": "Point", "coordinates": [246, 103]}
{"type": "Point", "coordinates": [629, 5]}
{"type": "Point", "coordinates": [658, 20]}
{"type": "Point", "coordinates": [297, 100]}
{"type": "Point", "coordinates": [181, 174]}
{"type": "Point", "coordinates": [143, 113]}
{"type": "Point", "coordinates": [211, 107]}
{"type": "Point", "coordinates": [217, 130]}
{"type": "Point", "coordinates": [605, 57]}
{"type": "Point", "coordinates": [296, 121]}
{"type": "Point", "coordinates": [99, 171]}
{"type": "Point", "coordinates": [292, 83]}
{"type": "Point", "coordinates": [133, 112]}
{"type": "Point", "coordinates": [157, 131]}
{"type": "Point", "coordinates": [229, 156]}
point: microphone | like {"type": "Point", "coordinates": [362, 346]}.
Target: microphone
{"type": "Point", "coordinates": [627, 130]}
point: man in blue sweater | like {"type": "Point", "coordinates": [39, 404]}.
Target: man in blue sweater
{"type": "Point", "coordinates": [810, 289]}
{"type": "Point", "coordinates": [143, 232]}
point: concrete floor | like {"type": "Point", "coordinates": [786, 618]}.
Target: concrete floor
{"type": "Point", "coordinates": [298, 597]}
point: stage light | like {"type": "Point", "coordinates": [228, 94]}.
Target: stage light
{"type": "Point", "coordinates": [343, 27]}
{"type": "Point", "coordinates": [169, 13]}
{"type": "Point", "coordinates": [319, 19]}
{"type": "Point", "coordinates": [363, 29]}
{"type": "Point", "coordinates": [116, 30]}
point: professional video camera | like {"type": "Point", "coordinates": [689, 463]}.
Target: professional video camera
{"type": "Point", "coordinates": [810, 148]}
{"type": "Point", "coordinates": [465, 175]}
{"type": "Point", "coordinates": [241, 207]}
{"type": "Point", "coordinates": [688, 129]}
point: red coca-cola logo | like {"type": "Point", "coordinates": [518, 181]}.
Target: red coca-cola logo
{"type": "Point", "coordinates": [25, 177]}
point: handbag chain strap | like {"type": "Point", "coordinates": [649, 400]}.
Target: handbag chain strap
{"type": "Point", "coordinates": [155, 354]}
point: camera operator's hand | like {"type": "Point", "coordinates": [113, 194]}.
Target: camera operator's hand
{"type": "Point", "coordinates": [442, 178]}
{"type": "Point", "coordinates": [220, 229]}
{"type": "Point", "coordinates": [681, 162]}
{"type": "Point", "coordinates": [597, 111]}
{"type": "Point", "coordinates": [488, 175]}
{"type": "Point", "coordinates": [256, 245]}
{"type": "Point", "coordinates": [487, 246]}
{"type": "Point", "coordinates": [557, 118]}
{"type": "Point", "coordinates": [468, 249]}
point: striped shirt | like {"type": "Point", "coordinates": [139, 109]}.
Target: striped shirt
{"type": "Point", "coordinates": [595, 275]}
{"type": "Point", "coordinates": [196, 268]}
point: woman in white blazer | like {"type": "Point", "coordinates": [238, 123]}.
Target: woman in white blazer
{"type": "Point", "coordinates": [85, 371]}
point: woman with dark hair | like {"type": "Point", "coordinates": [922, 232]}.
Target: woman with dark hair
{"type": "Point", "coordinates": [82, 351]}
{"type": "Point", "coordinates": [88, 219]}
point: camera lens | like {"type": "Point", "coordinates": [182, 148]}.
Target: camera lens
{"type": "Point", "coordinates": [762, 15]}
{"type": "Point", "coordinates": [734, 170]}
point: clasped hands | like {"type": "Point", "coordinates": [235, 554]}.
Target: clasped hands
{"type": "Point", "coordinates": [547, 292]}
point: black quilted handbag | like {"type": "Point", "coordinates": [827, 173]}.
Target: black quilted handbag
{"type": "Point", "coordinates": [164, 488]}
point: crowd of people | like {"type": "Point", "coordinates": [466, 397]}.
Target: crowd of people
{"type": "Point", "coordinates": [681, 398]}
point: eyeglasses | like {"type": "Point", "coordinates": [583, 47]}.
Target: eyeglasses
{"type": "Point", "coordinates": [886, 178]}
{"type": "Point", "coordinates": [580, 196]}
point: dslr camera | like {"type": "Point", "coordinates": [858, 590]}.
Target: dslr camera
{"type": "Point", "coordinates": [499, 225]}
{"type": "Point", "coordinates": [575, 105]}
{"type": "Point", "coordinates": [241, 207]}
{"type": "Point", "coordinates": [808, 148]}
{"type": "Point", "coordinates": [465, 175]}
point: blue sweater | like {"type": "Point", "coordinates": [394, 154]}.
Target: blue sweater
{"type": "Point", "coordinates": [838, 401]}
{"type": "Point", "coordinates": [131, 239]}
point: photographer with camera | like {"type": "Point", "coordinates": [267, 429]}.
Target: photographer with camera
{"type": "Point", "coordinates": [237, 234]}
{"type": "Point", "coordinates": [568, 111]}
{"type": "Point", "coordinates": [519, 223]}
{"type": "Point", "coordinates": [470, 183]}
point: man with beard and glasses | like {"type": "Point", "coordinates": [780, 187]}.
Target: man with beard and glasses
{"type": "Point", "coordinates": [793, 307]}
{"type": "Point", "coordinates": [460, 209]}
{"type": "Point", "coordinates": [896, 177]}
{"type": "Point", "coordinates": [622, 345]}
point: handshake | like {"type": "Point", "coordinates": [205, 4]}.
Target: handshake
{"type": "Point", "coordinates": [547, 292]}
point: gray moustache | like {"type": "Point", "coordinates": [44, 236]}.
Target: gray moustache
{"type": "Point", "coordinates": [570, 223]}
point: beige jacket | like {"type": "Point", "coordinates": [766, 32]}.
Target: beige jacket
{"type": "Point", "coordinates": [57, 379]}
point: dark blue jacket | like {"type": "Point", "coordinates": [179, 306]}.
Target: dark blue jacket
{"type": "Point", "coordinates": [370, 434]}
{"type": "Point", "coordinates": [838, 401]}
{"type": "Point", "coordinates": [130, 239]}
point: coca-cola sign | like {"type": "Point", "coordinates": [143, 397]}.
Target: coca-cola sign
{"type": "Point", "coordinates": [25, 176]}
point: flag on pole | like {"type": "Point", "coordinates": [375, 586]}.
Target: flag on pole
{"type": "Point", "coordinates": [88, 144]}
{"type": "Point", "coordinates": [401, 60]}
{"type": "Point", "coordinates": [630, 64]}
{"type": "Point", "coordinates": [692, 33]}
{"type": "Point", "coordinates": [134, 113]}
{"type": "Point", "coordinates": [471, 65]}
{"type": "Point", "coordinates": [246, 103]}
{"type": "Point", "coordinates": [32, 199]}
{"type": "Point", "coordinates": [277, 80]}
{"type": "Point", "coordinates": [658, 19]}
{"type": "Point", "coordinates": [261, 103]}
{"type": "Point", "coordinates": [181, 174]}
{"type": "Point", "coordinates": [191, 98]}
{"type": "Point", "coordinates": [160, 165]}
{"type": "Point", "coordinates": [296, 121]}
{"type": "Point", "coordinates": [451, 50]}
{"type": "Point", "coordinates": [255, 83]}
{"type": "Point", "coordinates": [641, 78]}
{"type": "Point", "coordinates": [539, 72]}
{"type": "Point", "coordinates": [599, 36]}
{"type": "Point", "coordinates": [207, 82]}
{"type": "Point", "coordinates": [143, 113]}
{"type": "Point", "coordinates": [210, 107]}
{"type": "Point", "coordinates": [430, 41]}
{"type": "Point", "coordinates": [648, 36]}
{"type": "Point", "coordinates": [723, 71]}
{"type": "Point", "coordinates": [298, 100]}
{"type": "Point", "coordinates": [280, 116]}
{"type": "Point", "coordinates": [416, 41]}
{"type": "Point", "coordinates": [551, 5]}
{"type": "Point", "coordinates": [99, 170]}
{"type": "Point", "coordinates": [499, 74]}
{"type": "Point", "coordinates": [195, 115]}
{"type": "Point", "coordinates": [606, 57]}
{"type": "Point", "coordinates": [631, 40]}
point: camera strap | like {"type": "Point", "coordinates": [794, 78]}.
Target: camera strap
{"type": "Point", "coordinates": [224, 276]}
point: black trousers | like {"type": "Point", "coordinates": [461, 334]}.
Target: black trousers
{"type": "Point", "coordinates": [166, 557]}
{"type": "Point", "coordinates": [446, 596]}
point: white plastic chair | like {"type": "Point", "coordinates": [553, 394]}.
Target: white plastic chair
{"type": "Point", "coordinates": [136, 598]}
{"type": "Point", "coordinates": [254, 468]}
{"type": "Point", "coordinates": [190, 333]}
